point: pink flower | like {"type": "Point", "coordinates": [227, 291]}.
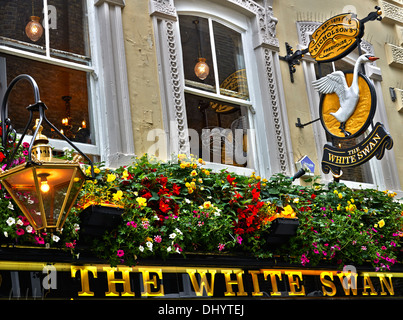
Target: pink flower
{"type": "Point", "coordinates": [20, 231]}
{"type": "Point", "coordinates": [157, 239]}
{"type": "Point", "coordinates": [120, 253]}
{"type": "Point", "coordinates": [221, 246]}
{"type": "Point", "coordinates": [25, 144]}
{"type": "Point", "coordinates": [132, 223]}
{"type": "Point", "coordinates": [239, 239]}
{"type": "Point", "coordinates": [40, 240]}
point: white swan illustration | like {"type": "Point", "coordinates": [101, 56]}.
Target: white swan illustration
{"type": "Point", "coordinates": [348, 96]}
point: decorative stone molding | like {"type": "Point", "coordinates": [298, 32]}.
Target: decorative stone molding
{"type": "Point", "coordinates": [392, 13]}
{"type": "Point", "coordinates": [275, 111]}
{"type": "Point", "coordinates": [163, 8]}
{"type": "Point", "coordinates": [394, 55]}
{"type": "Point", "coordinates": [120, 3]}
{"type": "Point", "coordinates": [399, 99]}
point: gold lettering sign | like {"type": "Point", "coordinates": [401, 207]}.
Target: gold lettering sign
{"type": "Point", "coordinates": [335, 38]}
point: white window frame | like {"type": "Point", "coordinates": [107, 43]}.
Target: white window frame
{"type": "Point", "coordinates": [381, 170]}
{"type": "Point", "coordinates": [108, 96]}
{"type": "Point", "coordinates": [199, 12]}
{"type": "Point", "coordinates": [273, 148]}
{"type": "Point", "coordinates": [92, 149]}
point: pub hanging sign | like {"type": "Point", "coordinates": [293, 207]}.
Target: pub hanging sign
{"type": "Point", "coordinates": [348, 99]}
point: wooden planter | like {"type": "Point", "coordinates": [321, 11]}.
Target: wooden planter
{"type": "Point", "coordinates": [281, 230]}
{"type": "Point", "coordinates": [96, 219]}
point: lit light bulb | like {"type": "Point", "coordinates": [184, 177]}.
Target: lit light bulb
{"type": "Point", "coordinates": [45, 187]}
{"type": "Point", "coordinates": [44, 182]}
{"type": "Point", "coordinates": [34, 29]}
{"type": "Point", "coordinates": [202, 69]}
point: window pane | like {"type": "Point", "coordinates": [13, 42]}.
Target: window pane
{"type": "Point", "coordinates": [218, 130]}
{"type": "Point", "coordinates": [195, 40]}
{"type": "Point", "coordinates": [68, 28]}
{"type": "Point", "coordinates": [230, 60]}
{"type": "Point", "coordinates": [14, 17]}
{"type": "Point", "coordinates": [68, 31]}
{"type": "Point", "coordinates": [64, 91]}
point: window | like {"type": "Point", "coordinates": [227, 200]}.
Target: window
{"type": "Point", "coordinates": [217, 101]}
{"type": "Point", "coordinates": [58, 59]}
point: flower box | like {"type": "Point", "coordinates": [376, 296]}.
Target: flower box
{"type": "Point", "coordinates": [96, 219]}
{"type": "Point", "coordinates": [282, 229]}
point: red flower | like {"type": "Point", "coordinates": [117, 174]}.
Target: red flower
{"type": "Point", "coordinates": [162, 180]}
{"type": "Point", "coordinates": [230, 180]}
{"type": "Point", "coordinates": [163, 206]}
{"type": "Point", "coordinates": [313, 196]}
{"type": "Point", "coordinates": [176, 189]}
{"type": "Point", "coordinates": [2, 156]}
{"type": "Point", "coordinates": [255, 195]}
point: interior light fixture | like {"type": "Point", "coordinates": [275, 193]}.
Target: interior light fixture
{"type": "Point", "coordinates": [201, 68]}
{"type": "Point", "coordinates": [34, 29]}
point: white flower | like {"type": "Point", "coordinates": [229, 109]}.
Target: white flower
{"type": "Point", "coordinates": [187, 200]}
{"type": "Point", "coordinates": [29, 229]}
{"type": "Point", "coordinates": [6, 234]}
{"type": "Point", "coordinates": [19, 222]}
{"type": "Point", "coordinates": [172, 236]}
{"type": "Point", "coordinates": [55, 238]}
{"type": "Point", "coordinates": [178, 231]}
{"type": "Point", "coordinates": [149, 245]}
{"type": "Point", "coordinates": [76, 226]}
{"type": "Point", "coordinates": [10, 206]}
{"type": "Point", "coordinates": [169, 249]}
{"type": "Point", "coordinates": [10, 221]}
{"type": "Point", "coordinates": [141, 248]}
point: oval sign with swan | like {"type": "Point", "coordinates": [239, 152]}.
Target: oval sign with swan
{"type": "Point", "coordinates": [335, 38]}
{"type": "Point", "coordinates": [331, 109]}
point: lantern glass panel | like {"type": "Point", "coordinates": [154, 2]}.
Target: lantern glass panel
{"type": "Point", "coordinates": [76, 185]}
{"type": "Point", "coordinates": [53, 200]}
{"type": "Point", "coordinates": [22, 188]}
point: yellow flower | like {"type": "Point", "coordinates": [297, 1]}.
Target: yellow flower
{"type": "Point", "coordinates": [181, 156]}
{"type": "Point", "coordinates": [207, 205]}
{"type": "Point", "coordinates": [340, 196]}
{"type": "Point", "coordinates": [193, 173]}
{"type": "Point", "coordinates": [96, 170]}
{"type": "Point", "coordinates": [110, 178]}
{"type": "Point", "coordinates": [381, 223]}
{"type": "Point", "coordinates": [141, 201]}
{"type": "Point", "coordinates": [125, 174]}
{"type": "Point", "coordinates": [288, 211]}
{"type": "Point", "coordinates": [118, 195]}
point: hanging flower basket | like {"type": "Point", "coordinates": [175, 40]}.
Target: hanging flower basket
{"type": "Point", "coordinates": [96, 219]}
{"type": "Point", "coordinates": [282, 229]}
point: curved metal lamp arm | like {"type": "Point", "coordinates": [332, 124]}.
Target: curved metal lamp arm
{"type": "Point", "coordinates": [39, 106]}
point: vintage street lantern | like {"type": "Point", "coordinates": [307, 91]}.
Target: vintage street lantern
{"type": "Point", "coordinates": [44, 188]}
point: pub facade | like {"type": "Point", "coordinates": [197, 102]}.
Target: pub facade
{"type": "Point", "coordinates": [216, 114]}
